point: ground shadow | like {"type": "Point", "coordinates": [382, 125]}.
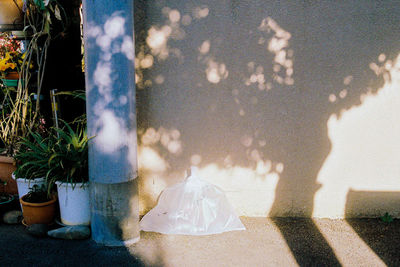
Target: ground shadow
{"type": "Point", "coordinates": [378, 236]}
{"type": "Point", "coordinates": [21, 249]}
{"type": "Point", "coordinates": [306, 242]}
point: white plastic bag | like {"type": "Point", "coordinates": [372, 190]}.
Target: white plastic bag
{"type": "Point", "coordinates": [192, 207]}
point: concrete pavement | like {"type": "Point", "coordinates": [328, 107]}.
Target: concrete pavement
{"type": "Point", "coordinates": [266, 242]}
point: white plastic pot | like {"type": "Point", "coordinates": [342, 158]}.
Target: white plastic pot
{"type": "Point", "coordinates": [24, 185]}
{"type": "Point", "coordinates": [74, 203]}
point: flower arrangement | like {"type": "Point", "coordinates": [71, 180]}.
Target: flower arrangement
{"type": "Point", "coordinates": [11, 62]}
{"type": "Point", "coordinates": [9, 44]}
{"type": "Point", "coordinates": [11, 56]}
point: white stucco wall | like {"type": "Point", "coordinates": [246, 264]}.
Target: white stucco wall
{"type": "Point", "coordinates": [291, 107]}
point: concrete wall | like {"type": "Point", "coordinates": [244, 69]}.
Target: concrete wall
{"type": "Point", "coordinates": [291, 107]}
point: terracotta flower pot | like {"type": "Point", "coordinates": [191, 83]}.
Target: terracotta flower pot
{"type": "Point", "coordinates": [7, 167]}
{"type": "Point", "coordinates": [13, 75]}
{"type": "Point", "coordinates": [42, 213]}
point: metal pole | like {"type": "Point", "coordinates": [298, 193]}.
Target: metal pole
{"type": "Point", "coordinates": [54, 107]}
{"type": "Point", "coordinates": [111, 115]}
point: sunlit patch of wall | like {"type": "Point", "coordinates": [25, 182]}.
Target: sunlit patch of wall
{"type": "Point", "coordinates": [237, 182]}
{"type": "Point", "coordinates": [215, 71]}
{"type": "Point", "coordinates": [365, 149]}
{"type": "Point", "coordinates": [156, 147]}
{"type": "Point", "coordinates": [277, 40]}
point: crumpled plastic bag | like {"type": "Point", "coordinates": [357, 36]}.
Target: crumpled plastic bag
{"type": "Point", "coordinates": [192, 207]}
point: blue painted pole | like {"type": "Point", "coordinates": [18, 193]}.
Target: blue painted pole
{"type": "Point", "coordinates": [111, 115]}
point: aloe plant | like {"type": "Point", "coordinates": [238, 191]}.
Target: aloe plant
{"type": "Point", "coordinates": [69, 159]}
{"type": "Point", "coordinates": [32, 157]}
{"type": "Point", "coordinates": [62, 155]}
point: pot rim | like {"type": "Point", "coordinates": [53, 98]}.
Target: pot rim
{"type": "Point", "coordinates": [27, 179]}
{"type": "Point", "coordinates": [7, 159]}
{"type": "Point", "coordinates": [30, 179]}
{"type": "Point", "coordinates": [53, 199]}
{"type": "Point", "coordinates": [11, 198]}
{"type": "Point", "coordinates": [66, 184]}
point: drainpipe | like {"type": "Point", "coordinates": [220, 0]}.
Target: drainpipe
{"type": "Point", "coordinates": [111, 120]}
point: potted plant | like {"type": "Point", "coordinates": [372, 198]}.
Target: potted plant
{"type": "Point", "coordinates": [32, 161]}
{"type": "Point", "coordinates": [38, 207]}
{"type": "Point", "coordinates": [7, 167]}
{"type": "Point", "coordinates": [38, 202]}
{"type": "Point", "coordinates": [68, 168]}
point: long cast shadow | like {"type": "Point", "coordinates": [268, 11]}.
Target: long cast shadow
{"type": "Point", "coordinates": [306, 242]}
{"type": "Point", "coordinates": [380, 236]}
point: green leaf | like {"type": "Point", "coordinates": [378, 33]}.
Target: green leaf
{"type": "Point", "coordinates": [387, 218]}
{"type": "Point", "coordinates": [40, 4]}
